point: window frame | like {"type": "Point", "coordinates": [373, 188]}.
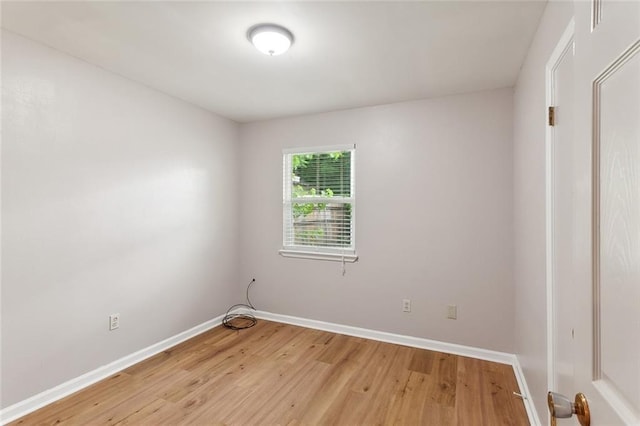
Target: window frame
{"type": "Point", "coordinates": [338, 254]}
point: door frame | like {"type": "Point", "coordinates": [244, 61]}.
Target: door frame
{"type": "Point", "coordinates": [565, 42]}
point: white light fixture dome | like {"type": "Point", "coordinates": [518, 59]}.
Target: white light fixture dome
{"type": "Point", "coordinates": [270, 39]}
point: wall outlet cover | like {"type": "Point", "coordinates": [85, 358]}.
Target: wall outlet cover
{"type": "Point", "coordinates": [452, 312]}
{"type": "Point", "coordinates": [114, 321]}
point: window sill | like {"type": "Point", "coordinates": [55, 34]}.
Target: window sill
{"type": "Point", "coordinates": [333, 257]}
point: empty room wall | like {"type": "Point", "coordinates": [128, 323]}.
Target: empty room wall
{"type": "Point", "coordinates": [433, 220]}
{"type": "Point", "coordinates": [529, 202]}
{"type": "Point", "coordinates": [115, 199]}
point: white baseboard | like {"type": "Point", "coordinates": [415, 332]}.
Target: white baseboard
{"type": "Point", "coordinates": [534, 419]}
{"type": "Point", "coordinates": [417, 342]}
{"type": "Point", "coordinates": [31, 404]}
{"type": "Point", "coordinates": [398, 339]}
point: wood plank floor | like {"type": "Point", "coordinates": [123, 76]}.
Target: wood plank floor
{"type": "Point", "coordinates": [281, 374]}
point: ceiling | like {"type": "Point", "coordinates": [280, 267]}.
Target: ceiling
{"type": "Point", "coordinates": [346, 54]}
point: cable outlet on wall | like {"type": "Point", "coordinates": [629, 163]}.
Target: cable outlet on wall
{"type": "Point", "coordinates": [406, 305]}
{"type": "Point", "coordinates": [114, 321]}
{"type": "Point", "coordinates": [452, 312]}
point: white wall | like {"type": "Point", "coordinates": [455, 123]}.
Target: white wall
{"type": "Point", "coordinates": [434, 219]}
{"type": "Point", "coordinates": [529, 202]}
{"type": "Point", "coordinates": [115, 198]}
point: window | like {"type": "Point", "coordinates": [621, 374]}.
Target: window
{"type": "Point", "coordinates": [319, 203]}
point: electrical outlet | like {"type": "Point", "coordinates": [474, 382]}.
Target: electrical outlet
{"type": "Point", "coordinates": [406, 305]}
{"type": "Point", "coordinates": [114, 321]}
{"type": "Point", "coordinates": [452, 312]}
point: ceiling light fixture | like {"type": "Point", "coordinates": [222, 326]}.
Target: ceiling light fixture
{"type": "Point", "coordinates": [270, 39]}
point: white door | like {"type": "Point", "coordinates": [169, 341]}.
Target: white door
{"type": "Point", "coordinates": [605, 292]}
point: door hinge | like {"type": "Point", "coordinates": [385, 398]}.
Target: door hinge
{"type": "Point", "coordinates": [552, 116]}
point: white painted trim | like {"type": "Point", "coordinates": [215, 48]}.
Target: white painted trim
{"type": "Point", "coordinates": [321, 148]}
{"type": "Point", "coordinates": [532, 413]}
{"type": "Point", "coordinates": [31, 404]}
{"type": "Point", "coordinates": [558, 52]}
{"type": "Point", "coordinates": [335, 257]}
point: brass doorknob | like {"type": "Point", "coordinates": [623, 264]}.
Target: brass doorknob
{"type": "Point", "coordinates": [561, 407]}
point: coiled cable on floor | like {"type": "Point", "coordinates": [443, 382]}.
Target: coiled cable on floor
{"type": "Point", "coordinates": [240, 321]}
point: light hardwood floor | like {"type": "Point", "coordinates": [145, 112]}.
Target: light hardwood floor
{"type": "Point", "coordinates": [281, 374]}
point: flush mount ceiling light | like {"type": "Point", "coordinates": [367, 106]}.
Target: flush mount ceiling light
{"type": "Point", "coordinates": [270, 39]}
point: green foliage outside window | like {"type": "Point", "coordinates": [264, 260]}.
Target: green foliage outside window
{"type": "Point", "coordinates": [322, 175]}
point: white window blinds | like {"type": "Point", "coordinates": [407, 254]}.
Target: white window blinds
{"type": "Point", "coordinates": [319, 202]}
